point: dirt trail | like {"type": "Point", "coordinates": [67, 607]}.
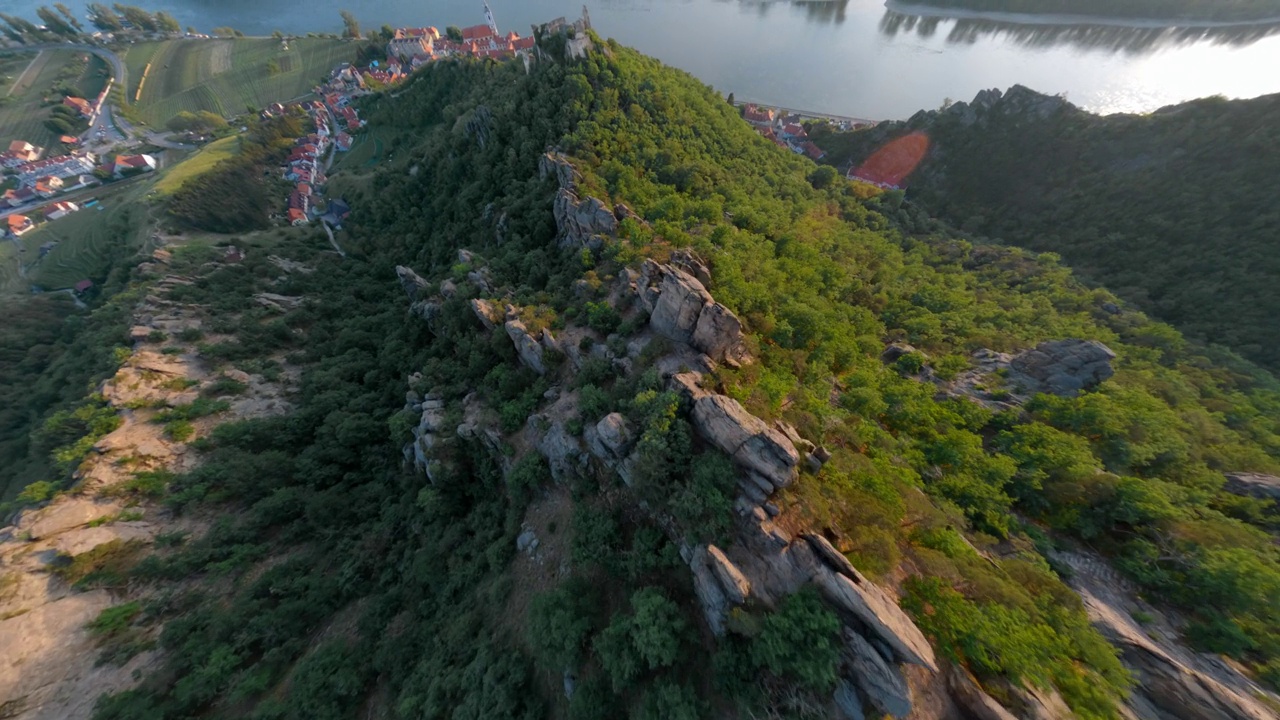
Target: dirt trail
{"type": "Point", "coordinates": [49, 668]}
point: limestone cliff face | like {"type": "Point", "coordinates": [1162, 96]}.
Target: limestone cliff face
{"type": "Point", "coordinates": [48, 669]}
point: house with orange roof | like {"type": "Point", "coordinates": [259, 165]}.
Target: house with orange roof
{"type": "Point", "coordinates": [47, 187]}
{"type": "Point", "coordinates": [20, 225]}
{"type": "Point", "coordinates": [60, 210]}
{"type": "Point", "coordinates": [80, 105]}
{"type": "Point", "coordinates": [20, 152]}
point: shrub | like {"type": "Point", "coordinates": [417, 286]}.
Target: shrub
{"type": "Point", "coordinates": [800, 642]}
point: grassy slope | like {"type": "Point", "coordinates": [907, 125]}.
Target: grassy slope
{"type": "Point", "coordinates": [87, 240]}
{"type": "Point", "coordinates": [1174, 210]}
{"type": "Point", "coordinates": [22, 114]}
{"type": "Point", "coordinates": [226, 76]}
{"type": "Point", "coordinates": [198, 164]}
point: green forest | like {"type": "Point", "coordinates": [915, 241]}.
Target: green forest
{"type": "Point", "coordinates": [335, 581]}
{"type": "Point", "coordinates": [1217, 11]}
{"type": "Point", "coordinates": [1173, 210]}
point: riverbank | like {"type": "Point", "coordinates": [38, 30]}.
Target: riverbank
{"type": "Point", "coordinates": [1012, 18]}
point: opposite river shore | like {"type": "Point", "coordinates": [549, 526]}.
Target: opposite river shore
{"type": "Point", "coordinates": [1013, 18]}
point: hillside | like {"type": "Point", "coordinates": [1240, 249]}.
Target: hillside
{"type": "Point", "coordinates": [1171, 210]}
{"type": "Point", "coordinates": [225, 76]}
{"type": "Point", "coordinates": [614, 409]}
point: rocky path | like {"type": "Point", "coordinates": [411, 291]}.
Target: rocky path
{"type": "Point", "coordinates": [48, 661]}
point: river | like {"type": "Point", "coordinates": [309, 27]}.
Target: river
{"type": "Point", "coordinates": [848, 57]}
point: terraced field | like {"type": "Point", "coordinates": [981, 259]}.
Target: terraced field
{"type": "Point", "coordinates": [22, 106]}
{"type": "Point", "coordinates": [84, 241]}
{"type": "Point", "coordinates": [227, 76]}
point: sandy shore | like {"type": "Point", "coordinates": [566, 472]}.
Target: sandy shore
{"type": "Point", "coordinates": [930, 11]}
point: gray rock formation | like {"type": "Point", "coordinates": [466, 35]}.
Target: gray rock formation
{"type": "Point", "coordinates": [847, 701]}
{"type": "Point", "coordinates": [689, 262]}
{"type": "Point", "coordinates": [766, 455]}
{"type": "Point", "coordinates": [681, 309]}
{"type": "Point", "coordinates": [1263, 487]}
{"type": "Point", "coordinates": [609, 439]}
{"type": "Point", "coordinates": [556, 166]}
{"type": "Point", "coordinates": [1062, 367]}
{"type": "Point", "coordinates": [480, 125]}
{"type": "Point", "coordinates": [679, 304]}
{"type": "Point", "coordinates": [1171, 681]}
{"type": "Point", "coordinates": [732, 582]}
{"type": "Point", "coordinates": [426, 435]}
{"type": "Point", "coordinates": [971, 698]}
{"type": "Point", "coordinates": [711, 596]}
{"type": "Point", "coordinates": [410, 281]}
{"type": "Point", "coordinates": [486, 312]}
{"type": "Point", "coordinates": [851, 593]}
{"type": "Point", "coordinates": [881, 683]}
{"type": "Point", "coordinates": [529, 349]}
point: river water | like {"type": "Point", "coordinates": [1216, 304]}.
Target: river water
{"type": "Point", "coordinates": [848, 57]}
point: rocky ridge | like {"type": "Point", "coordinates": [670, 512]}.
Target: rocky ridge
{"type": "Point", "coordinates": [50, 670]}
{"type": "Point", "coordinates": [887, 665]}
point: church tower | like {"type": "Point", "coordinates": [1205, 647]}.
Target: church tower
{"type": "Point", "coordinates": [488, 18]}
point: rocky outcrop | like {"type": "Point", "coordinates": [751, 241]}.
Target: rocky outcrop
{"type": "Point", "coordinates": [979, 705]}
{"type": "Point", "coordinates": [610, 438]}
{"type": "Point", "coordinates": [1171, 681]}
{"type": "Point", "coordinates": [49, 667]}
{"type": "Point", "coordinates": [412, 283]}
{"type": "Point", "coordinates": [583, 222]}
{"type": "Point", "coordinates": [767, 457]}
{"type": "Point", "coordinates": [426, 435]}
{"type": "Point", "coordinates": [480, 125]}
{"type": "Point", "coordinates": [871, 606]}
{"type": "Point", "coordinates": [486, 312]}
{"type": "Point", "coordinates": [1262, 487]}
{"type": "Point", "coordinates": [1002, 381]}
{"type": "Point", "coordinates": [881, 683]}
{"type": "Point", "coordinates": [1062, 367]}
{"type": "Point", "coordinates": [529, 349]}
{"type": "Point", "coordinates": [765, 564]}
{"type": "Point", "coordinates": [681, 309]}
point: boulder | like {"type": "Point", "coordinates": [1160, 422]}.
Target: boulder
{"type": "Point", "coordinates": [687, 261]}
{"type": "Point", "coordinates": [1263, 487]}
{"type": "Point", "coordinates": [847, 701]}
{"type": "Point", "coordinates": [562, 451]}
{"type": "Point", "coordinates": [711, 597]}
{"type": "Point", "coordinates": [830, 556]}
{"type": "Point", "coordinates": [895, 351]}
{"type": "Point", "coordinates": [752, 445]}
{"type": "Point", "coordinates": [1062, 367]}
{"type": "Point", "coordinates": [529, 349]}
{"type": "Point", "coordinates": [67, 514]}
{"type": "Point", "coordinates": [881, 683]}
{"type": "Point", "coordinates": [486, 312]}
{"type": "Point", "coordinates": [718, 333]}
{"type": "Point", "coordinates": [733, 583]}
{"type": "Point", "coordinates": [555, 165]}
{"type": "Point", "coordinates": [610, 438]}
{"type": "Point", "coordinates": [680, 302]}
{"type": "Point", "coordinates": [880, 614]}
{"type": "Point", "coordinates": [583, 223]}
{"type": "Point", "coordinates": [410, 281]}
{"type": "Point", "coordinates": [976, 703]}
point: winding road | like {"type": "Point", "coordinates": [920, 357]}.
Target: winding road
{"type": "Point", "coordinates": [112, 59]}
